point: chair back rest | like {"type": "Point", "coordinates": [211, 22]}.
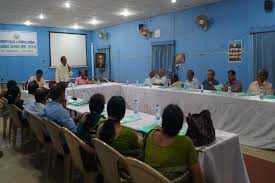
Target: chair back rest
{"type": "Point", "coordinates": [54, 131]}
{"type": "Point", "coordinates": [36, 126]}
{"type": "Point", "coordinates": [141, 172]}
{"type": "Point", "coordinates": [14, 113]}
{"type": "Point", "coordinates": [109, 159]}
{"type": "Point", "coordinates": [74, 143]}
{"type": "Point", "coordinates": [3, 104]}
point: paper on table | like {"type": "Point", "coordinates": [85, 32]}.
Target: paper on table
{"type": "Point", "coordinates": [131, 118]}
{"type": "Point", "coordinates": [178, 88]}
{"type": "Point", "coordinates": [146, 129]}
{"type": "Point", "coordinates": [217, 92]}
{"type": "Point", "coordinates": [218, 87]}
{"type": "Point", "coordinates": [246, 94]}
{"type": "Point", "coordinates": [77, 102]}
{"type": "Point", "coordinates": [269, 97]}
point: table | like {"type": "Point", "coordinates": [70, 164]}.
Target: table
{"type": "Point", "coordinates": [249, 117]}
{"type": "Point", "coordinates": [221, 162]}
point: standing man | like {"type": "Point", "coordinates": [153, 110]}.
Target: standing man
{"type": "Point", "coordinates": [38, 78]}
{"type": "Point", "coordinates": [236, 86]}
{"type": "Point", "coordinates": [63, 72]}
{"type": "Point", "coordinates": [210, 82]}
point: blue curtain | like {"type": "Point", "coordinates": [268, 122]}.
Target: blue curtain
{"type": "Point", "coordinates": [163, 56]}
{"type": "Point", "coordinates": [264, 54]}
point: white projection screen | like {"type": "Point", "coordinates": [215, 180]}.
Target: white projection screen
{"type": "Point", "coordinates": [73, 46]}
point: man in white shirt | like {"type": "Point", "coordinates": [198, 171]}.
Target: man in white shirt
{"type": "Point", "coordinates": [163, 78]}
{"type": "Point", "coordinates": [63, 72]}
{"type": "Point", "coordinates": [153, 79]}
{"type": "Point", "coordinates": [190, 83]}
{"type": "Point", "coordinates": [38, 78]}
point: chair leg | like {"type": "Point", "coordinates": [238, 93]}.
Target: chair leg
{"type": "Point", "coordinates": [67, 168]}
{"type": "Point", "coordinates": [14, 137]}
{"type": "Point", "coordinates": [5, 121]}
{"type": "Point", "coordinates": [10, 128]}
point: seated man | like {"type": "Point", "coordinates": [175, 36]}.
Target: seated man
{"type": "Point", "coordinates": [190, 83]}
{"type": "Point", "coordinates": [82, 79]}
{"type": "Point", "coordinates": [210, 82]}
{"type": "Point", "coordinates": [153, 79]}
{"type": "Point", "coordinates": [261, 81]}
{"type": "Point", "coordinates": [55, 111]}
{"type": "Point", "coordinates": [38, 78]}
{"type": "Point", "coordinates": [163, 78]}
{"type": "Point", "coordinates": [29, 99]}
{"type": "Point", "coordinates": [37, 108]}
{"type": "Point", "coordinates": [236, 86]}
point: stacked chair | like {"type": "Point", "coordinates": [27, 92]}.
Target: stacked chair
{"type": "Point", "coordinates": [4, 114]}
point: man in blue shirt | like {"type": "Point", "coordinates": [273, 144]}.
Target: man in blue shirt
{"type": "Point", "coordinates": [210, 82]}
{"type": "Point", "coordinates": [55, 111]}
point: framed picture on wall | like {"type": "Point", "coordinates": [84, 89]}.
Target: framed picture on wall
{"type": "Point", "coordinates": [235, 51]}
{"type": "Point", "coordinates": [100, 60]}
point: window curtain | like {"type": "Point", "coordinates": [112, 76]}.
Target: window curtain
{"type": "Point", "coordinates": [264, 54]}
{"type": "Point", "coordinates": [107, 71]}
{"type": "Point", "coordinates": [163, 56]}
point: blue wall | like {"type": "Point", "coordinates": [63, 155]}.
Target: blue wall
{"type": "Point", "coordinates": [21, 68]}
{"type": "Point", "coordinates": [230, 20]}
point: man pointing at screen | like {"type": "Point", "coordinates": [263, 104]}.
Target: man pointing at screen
{"type": "Point", "coordinates": [63, 72]}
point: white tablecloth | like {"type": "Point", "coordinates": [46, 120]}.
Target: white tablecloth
{"type": "Point", "coordinates": [249, 117]}
{"type": "Point", "coordinates": [222, 161]}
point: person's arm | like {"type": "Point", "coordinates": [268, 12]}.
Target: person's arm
{"type": "Point", "coordinates": [43, 82]}
{"type": "Point", "coordinates": [197, 176]}
{"type": "Point", "coordinates": [67, 121]}
{"type": "Point", "coordinates": [57, 75]}
{"type": "Point", "coordinates": [237, 88]}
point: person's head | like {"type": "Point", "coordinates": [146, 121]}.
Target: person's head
{"type": "Point", "coordinates": [111, 128]}
{"type": "Point", "coordinates": [190, 75]}
{"type": "Point", "coordinates": [63, 60]}
{"type": "Point", "coordinates": [57, 93]}
{"type": "Point", "coordinates": [39, 74]}
{"type": "Point", "coordinates": [96, 104]}
{"type": "Point", "coordinates": [41, 95]}
{"type": "Point", "coordinates": [172, 120]}
{"type": "Point", "coordinates": [10, 84]}
{"type": "Point", "coordinates": [152, 74]}
{"type": "Point", "coordinates": [32, 86]}
{"type": "Point", "coordinates": [82, 74]}
{"type": "Point", "coordinates": [14, 94]}
{"type": "Point", "coordinates": [161, 72]}
{"type": "Point", "coordinates": [231, 75]}
{"type": "Point", "coordinates": [210, 74]}
{"type": "Point", "coordinates": [262, 75]}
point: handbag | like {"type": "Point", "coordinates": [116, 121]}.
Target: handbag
{"type": "Point", "coordinates": [200, 128]}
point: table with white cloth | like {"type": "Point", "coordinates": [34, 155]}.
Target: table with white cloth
{"type": "Point", "coordinates": [248, 116]}
{"type": "Point", "coordinates": [221, 161]}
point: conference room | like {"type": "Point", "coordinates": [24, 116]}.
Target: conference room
{"type": "Point", "coordinates": [165, 91]}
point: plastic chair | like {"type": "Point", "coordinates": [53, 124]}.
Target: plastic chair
{"type": "Point", "coordinates": [55, 131]}
{"type": "Point", "coordinates": [74, 143]}
{"type": "Point", "coordinates": [14, 113]}
{"type": "Point", "coordinates": [109, 160]}
{"type": "Point", "coordinates": [4, 115]}
{"type": "Point", "coordinates": [36, 126]}
{"type": "Point", "coordinates": [141, 172]}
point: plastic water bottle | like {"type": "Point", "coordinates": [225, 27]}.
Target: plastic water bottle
{"type": "Point", "coordinates": [84, 96]}
{"type": "Point", "coordinates": [229, 91]}
{"type": "Point", "coordinates": [261, 93]}
{"type": "Point", "coordinates": [150, 84]}
{"type": "Point", "coordinates": [98, 81]}
{"type": "Point", "coordinates": [169, 82]}
{"type": "Point", "coordinates": [135, 108]}
{"type": "Point", "coordinates": [127, 82]}
{"type": "Point", "coordinates": [137, 83]}
{"type": "Point", "coordinates": [157, 112]}
{"type": "Point", "coordinates": [202, 89]}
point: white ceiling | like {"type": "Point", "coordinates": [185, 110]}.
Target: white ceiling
{"type": "Point", "coordinates": [83, 11]}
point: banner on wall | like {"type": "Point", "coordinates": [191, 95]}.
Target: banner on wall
{"type": "Point", "coordinates": [15, 43]}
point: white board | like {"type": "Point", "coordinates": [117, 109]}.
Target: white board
{"type": "Point", "coordinates": [73, 46]}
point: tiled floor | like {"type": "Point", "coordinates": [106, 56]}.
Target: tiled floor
{"type": "Point", "coordinates": [16, 167]}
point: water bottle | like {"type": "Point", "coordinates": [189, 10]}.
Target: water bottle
{"type": "Point", "coordinates": [261, 93]}
{"type": "Point", "coordinates": [157, 112]}
{"type": "Point", "coordinates": [135, 108]}
{"type": "Point", "coordinates": [202, 90]}
{"type": "Point", "coordinates": [229, 90]}
{"type": "Point", "coordinates": [150, 84]}
{"type": "Point", "coordinates": [169, 82]}
{"type": "Point", "coordinates": [98, 81]}
{"type": "Point", "coordinates": [127, 82]}
{"type": "Point", "coordinates": [83, 95]}
{"type": "Point", "coordinates": [137, 83]}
